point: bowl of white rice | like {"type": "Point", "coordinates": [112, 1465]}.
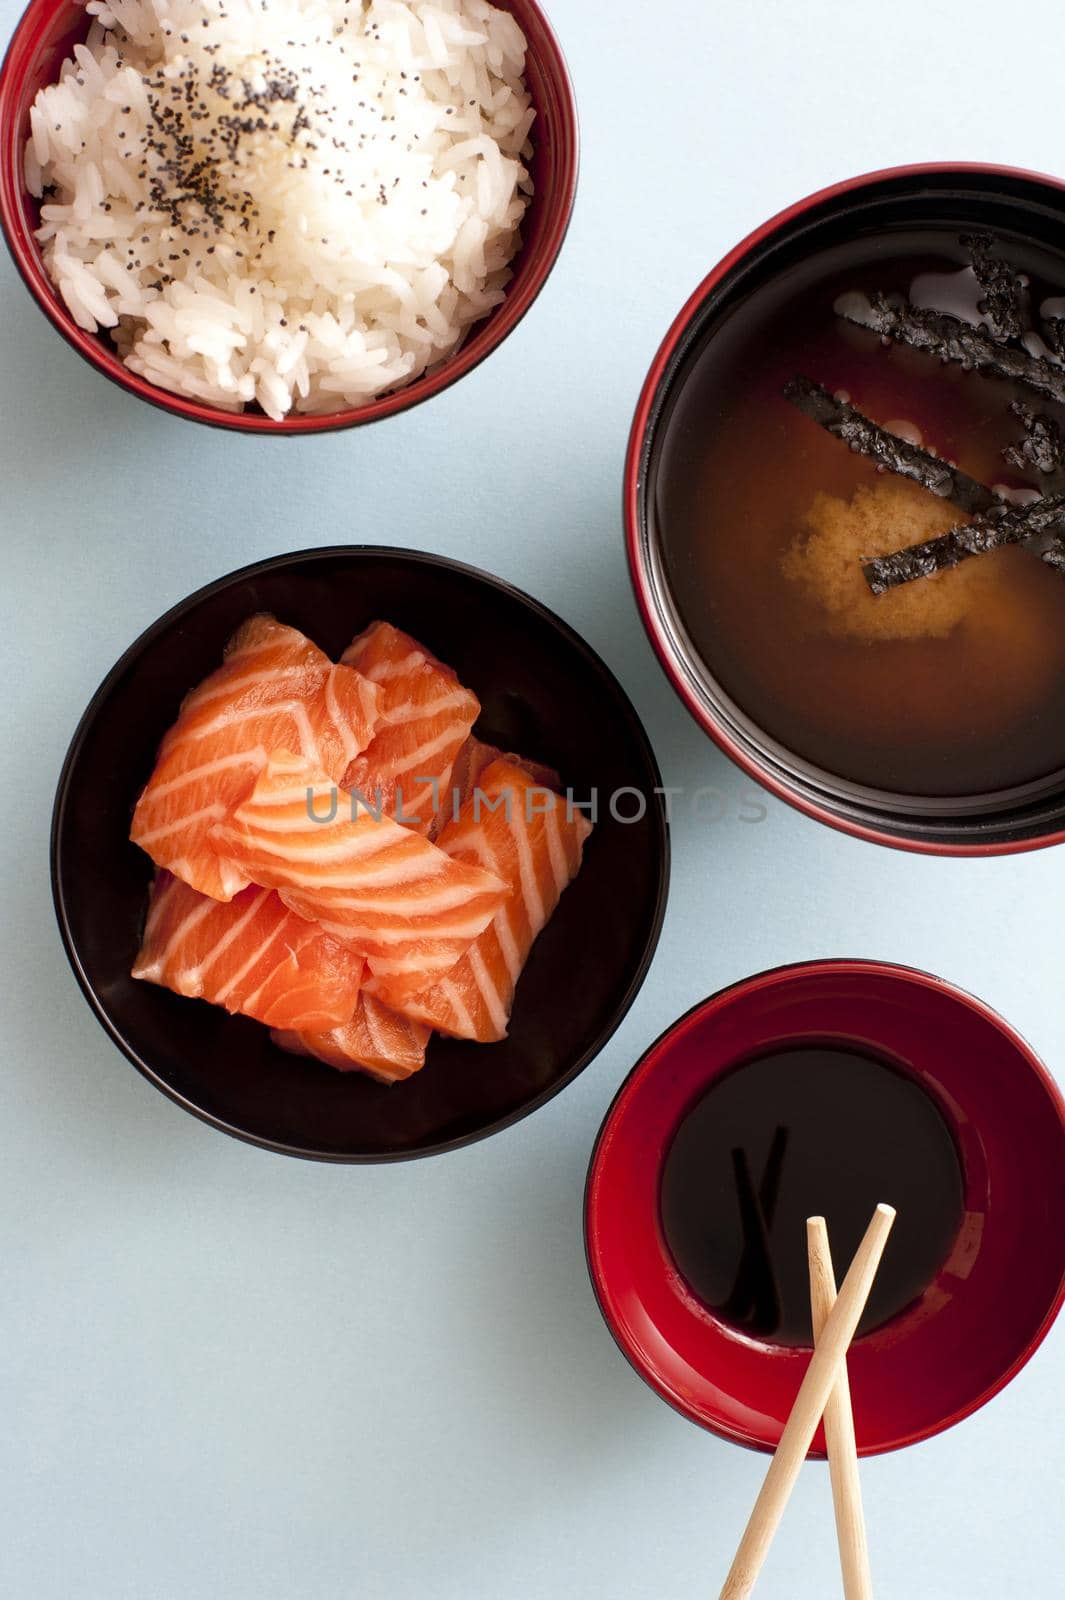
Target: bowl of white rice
{"type": "Point", "coordinates": [285, 215]}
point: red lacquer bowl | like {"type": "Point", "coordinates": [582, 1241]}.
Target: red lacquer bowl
{"type": "Point", "coordinates": [967, 195]}
{"type": "Point", "coordinates": [45, 35]}
{"type": "Point", "coordinates": [991, 1303]}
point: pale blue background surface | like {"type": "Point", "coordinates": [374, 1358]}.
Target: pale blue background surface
{"type": "Point", "coordinates": [230, 1376]}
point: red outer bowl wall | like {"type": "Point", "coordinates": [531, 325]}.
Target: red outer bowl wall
{"type": "Point", "coordinates": [990, 1306]}
{"type": "Point", "coordinates": [43, 37]}
{"type": "Point", "coordinates": [641, 581]}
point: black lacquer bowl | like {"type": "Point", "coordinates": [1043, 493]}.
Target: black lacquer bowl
{"type": "Point", "coordinates": [960, 197]}
{"type": "Point", "coordinates": [544, 693]}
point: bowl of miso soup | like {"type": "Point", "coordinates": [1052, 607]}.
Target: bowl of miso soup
{"type": "Point", "coordinates": [845, 507]}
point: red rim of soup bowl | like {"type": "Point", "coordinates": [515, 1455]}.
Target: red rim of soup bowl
{"type": "Point", "coordinates": [992, 1303]}
{"type": "Point", "coordinates": [43, 37]}
{"type": "Point", "coordinates": [643, 585]}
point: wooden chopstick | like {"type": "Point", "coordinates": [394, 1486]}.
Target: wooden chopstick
{"type": "Point", "coordinates": [839, 1429]}
{"type": "Point", "coordinates": [809, 1406]}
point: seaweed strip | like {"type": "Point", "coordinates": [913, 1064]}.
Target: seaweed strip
{"type": "Point", "coordinates": [1006, 301]}
{"type": "Point", "coordinates": [867, 438]}
{"type": "Point", "coordinates": [1042, 524]}
{"type": "Point", "coordinates": [1043, 519]}
{"type": "Point", "coordinates": [1042, 447]}
{"type": "Point", "coordinates": [952, 340]}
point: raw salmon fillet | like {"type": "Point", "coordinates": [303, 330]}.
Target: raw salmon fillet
{"type": "Point", "coordinates": [530, 841]}
{"type": "Point", "coordinates": [376, 1041]}
{"type": "Point", "coordinates": [275, 690]}
{"type": "Point", "coordinates": [474, 758]}
{"type": "Point", "coordinates": [426, 717]}
{"type": "Point", "coordinates": [379, 887]}
{"type": "Point", "coordinates": [250, 954]}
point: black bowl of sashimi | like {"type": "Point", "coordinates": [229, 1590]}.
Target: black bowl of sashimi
{"type": "Point", "coordinates": [544, 694]}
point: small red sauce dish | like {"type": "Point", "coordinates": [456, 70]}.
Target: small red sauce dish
{"type": "Point", "coordinates": [45, 35]}
{"type": "Point", "coordinates": [984, 1312]}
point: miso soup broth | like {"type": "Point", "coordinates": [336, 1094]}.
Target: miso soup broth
{"type": "Point", "coordinates": [951, 686]}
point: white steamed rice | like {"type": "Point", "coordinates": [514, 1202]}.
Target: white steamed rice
{"type": "Point", "coordinates": [303, 203]}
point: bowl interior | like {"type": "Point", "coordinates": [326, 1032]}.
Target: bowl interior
{"type": "Point", "coordinates": [955, 198]}
{"type": "Point", "coordinates": [544, 694]}
{"type": "Point", "coordinates": [988, 1306]}
{"type": "Point", "coordinates": [44, 37]}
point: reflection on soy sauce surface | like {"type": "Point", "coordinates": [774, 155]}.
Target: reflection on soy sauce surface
{"type": "Point", "coordinates": [808, 1131]}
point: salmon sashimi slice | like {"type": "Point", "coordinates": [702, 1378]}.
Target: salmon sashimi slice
{"type": "Point", "coordinates": [274, 690]}
{"type": "Point", "coordinates": [528, 836]}
{"type": "Point", "coordinates": [250, 954]}
{"type": "Point", "coordinates": [376, 1041]}
{"type": "Point", "coordinates": [473, 759]}
{"type": "Point", "coordinates": [426, 717]}
{"type": "Point", "coordinates": [379, 887]}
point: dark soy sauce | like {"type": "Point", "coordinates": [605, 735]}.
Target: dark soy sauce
{"type": "Point", "coordinates": [954, 689]}
{"type": "Point", "coordinates": [812, 1131]}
